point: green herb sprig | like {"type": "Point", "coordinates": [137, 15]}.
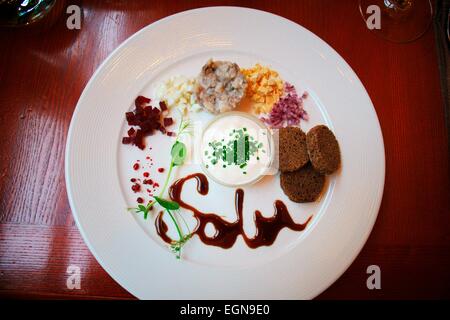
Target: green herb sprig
{"type": "Point", "coordinates": [178, 155]}
{"type": "Point", "coordinates": [234, 150]}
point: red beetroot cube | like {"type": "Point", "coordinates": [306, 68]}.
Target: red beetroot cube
{"type": "Point", "coordinates": [141, 100]}
{"type": "Point", "coordinates": [131, 118]}
{"type": "Point", "coordinates": [127, 140]}
{"type": "Point", "coordinates": [146, 126]}
{"type": "Point", "coordinates": [139, 112]}
{"type": "Point", "coordinates": [139, 139]}
{"type": "Point", "coordinates": [163, 130]}
{"type": "Point", "coordinates": [131, 132]}
{"type": "Point", "coordinates": [167, 122]}
{"type": "Point", "coordinates": [163, 105]}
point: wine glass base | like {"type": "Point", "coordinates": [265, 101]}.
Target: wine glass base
{"type": "Point", "coordinates": [400, 21]}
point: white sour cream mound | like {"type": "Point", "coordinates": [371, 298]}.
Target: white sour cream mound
{"type": "Point", "coordinates": [233, 175]}
{"type": "Point", "coordinates": [178, 92]}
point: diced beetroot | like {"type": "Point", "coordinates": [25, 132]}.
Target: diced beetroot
{"type": "Point", "coordinates": [147, 119]}
{"type": "Point", "coordinates": [155, 114]}
{"type": "Point", "coordinates": [139, 139]}
{"type": "Point", "coordinates": [127, 140]}
{"type": "Point", "coordinates": [140, 145]}
{"type": "Point", "coordinates": [131, 132]}
{"type": "Point", "coordinates": [163, 105]}
{"type": "Point", "coordinates": [146, 126]}
{"type": "Point", "coordinates": [163, 130]}
{"type": "Point", "coordinates": [131, 118]}
{"type": "Point", "coordinates": [139, 111]}
{"type": "Point", "coordinates": [141, 100]}
{"type": "Point", "coordinates": [167, 122]}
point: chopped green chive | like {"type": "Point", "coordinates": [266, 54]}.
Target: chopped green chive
{"type": "Point", "coordinates": [236, 150]}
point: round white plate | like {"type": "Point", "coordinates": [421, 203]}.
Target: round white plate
{"type": "Point", "coordinates": [299, 265]}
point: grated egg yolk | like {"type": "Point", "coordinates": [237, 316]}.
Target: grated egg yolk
{"type": "Point", "coordinates": [264, 87]}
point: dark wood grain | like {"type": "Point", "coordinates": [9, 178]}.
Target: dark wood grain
{"type": "Point", "coordinates": [35, 259]}
{"type": "Point", "coordinates": [42, 74]}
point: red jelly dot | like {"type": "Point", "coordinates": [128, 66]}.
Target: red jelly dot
{"type": "Point", "coordinates": [147, 181]}
{"type": "Point", "coordinates": [136, 166]}
{"type": "Point", "coordinates": [133, 180]}
{"type": "Point", "coordinates": [146, 174]}
{"type": "Point", "coordinates": [160, 169]}
{"type": "Point", "coordinates": [140, 200]}
{"type": "Point", "coordinates": [136, 187]}
{"type": "Point", "coordinates": [156, 185]}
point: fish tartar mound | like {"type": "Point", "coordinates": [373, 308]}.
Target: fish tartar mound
{"type": "Point", "coordinates": [220, 86]}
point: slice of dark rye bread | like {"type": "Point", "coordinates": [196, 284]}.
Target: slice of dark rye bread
{"type": "Point", "coordinates": [292, 149]}
{"type": "Point", "coordinates": [323, 149]}
{"type": "Point", "coordinates": [303, 185]}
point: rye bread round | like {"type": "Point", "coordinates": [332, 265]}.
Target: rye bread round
{"type": "Point", "coordinates": [293, 153]}
{"type": "Point", "coordinates": [323, 149]}
{"type": "Point", "coordinates": [303, 185]}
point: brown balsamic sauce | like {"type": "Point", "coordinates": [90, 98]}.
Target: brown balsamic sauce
{"type": "Point", "coordinates": [161, 227]}
{"type": "Point", "coordinates": [267, 229]}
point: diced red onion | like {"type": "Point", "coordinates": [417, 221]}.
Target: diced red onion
{"type": "Point", "coordinates": [288, 111]}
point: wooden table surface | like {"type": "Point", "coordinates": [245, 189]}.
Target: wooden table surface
{"type": "Point", "coordinates": [42, 75]}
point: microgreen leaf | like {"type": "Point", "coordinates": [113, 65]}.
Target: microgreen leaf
{"type": "Point", "coordinates": [141, 209]}
{"type": "Point", "coordinates": [178, 153]}
{"type": "Point", "coordinates": [169, 205]}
